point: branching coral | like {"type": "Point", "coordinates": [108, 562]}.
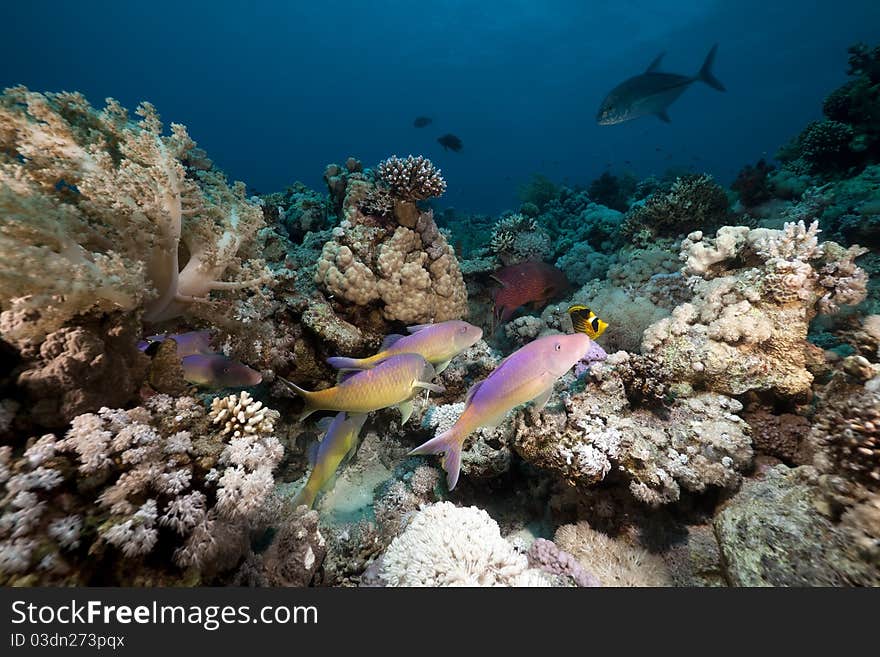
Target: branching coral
{"type": "Point", "coordinates": [692, 202]}
{"type": "Point", "coordinates": [516, 238]}
{"type": "Point", "coordinates": [94, 209]}
{"type": "Point", "coordinates": [446, 545]}
{"type": "Point", "coordinates": [756, 293]}
{"type": "Point", "coordinates": [412, 178]}
{"type": "Point", "coordinates": [134, 483]}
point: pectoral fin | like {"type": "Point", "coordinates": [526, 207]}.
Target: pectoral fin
{"type": "Point", "coordinates": [442, 366]}
{"type": "Point", "coordinates": [433, 387]}
{"type": "Point", "coordinates": [541, 400]}
{"type": "Point", "coordinates": [406, 410]}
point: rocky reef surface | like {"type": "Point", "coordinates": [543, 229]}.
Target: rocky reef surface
{"type": "Point", "coordinates": [724, 430]}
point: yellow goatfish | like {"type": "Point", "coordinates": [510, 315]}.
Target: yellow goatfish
{"type": "Point", "coordinates": [393, 382]}
{"type": "Point", "coordinates": [528, 374]}
{"type": "Point", "coordinates": [340, 441]}
{"type": "Point", "coordinates": [438, 343]}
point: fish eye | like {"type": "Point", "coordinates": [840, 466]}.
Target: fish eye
{"type": "Point", "coordinates": [558, 347]}
{"type": "Point", "coordinates": [463, 330]}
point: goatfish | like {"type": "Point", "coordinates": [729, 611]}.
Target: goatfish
{"type": "Point", "coordinates": [339, 442]}
{"type": "Point", "coordinates": [437, 343]}
{"type": "Point", "coordinates": [528, 374]}
{"type": "Point", "coordinates": [652, 92]}
{"type": "Point", "coordinates": [584, 320]}
{"type": "Point", "coordinates": [393, 382]}
{"type": "Point", "coordinates": [201, 365]}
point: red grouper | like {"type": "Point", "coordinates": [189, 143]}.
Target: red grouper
{"type": "Point", "coordinates": [436, 343]}
{"type": "Point", "coordinates": [527, 282]}
{"type": "Point", "coordinates": [527, 374]}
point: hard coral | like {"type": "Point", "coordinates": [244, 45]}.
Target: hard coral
{"type": "Point", "coordinates": [445, 545]}
{"type": "Point", "coordinates": [693, 202]}
{"type": "Point", "coordinates": [411, 274]}
{"type": "Point", "coordinates": [756, 293]}
{"type": "Point", "coordinates": [412, 178]}
{"type": "Point", "coordinates": [125, 485]}
{"type": "Point", "coordinates": [94, 209]}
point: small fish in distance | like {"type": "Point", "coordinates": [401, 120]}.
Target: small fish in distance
{"type": "Point", "coordinates": [422, 121]}
{"type": "Point", "coordinates": [450, 142]}
{"type": "Point", "coordinates": [652, 92]}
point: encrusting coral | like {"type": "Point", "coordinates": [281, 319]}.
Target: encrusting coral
{"type": "Point", "coordinates": [95, 209]}
{"type": "Point", "coordinates": [756, 291]}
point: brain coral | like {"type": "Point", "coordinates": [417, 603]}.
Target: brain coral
{"type": "Point", "coordinates": [412, 274]}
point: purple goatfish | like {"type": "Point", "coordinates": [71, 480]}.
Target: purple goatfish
{"type": "Point", "coordinates": [393, 382]}
{"type": "Point", "coordinates": [203, 366]}
{"type": "Point", "coordinates": [528, 374]}
{"type": "Point", "coordinates": [340, 441]}
{"type": "Point", "coordinates": [436, 343]}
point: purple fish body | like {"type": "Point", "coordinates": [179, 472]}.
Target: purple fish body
{"type": "Point", "coordinates": [202, 365]}
{"type": "Point", "coordinates": [189, 343]}
{"type": "Point", "coordinates": [526, 375]}
{"type": "Point", "coordinates": [218, 371]}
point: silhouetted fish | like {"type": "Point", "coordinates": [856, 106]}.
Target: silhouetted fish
{"type": "Point", "coordinates": [652, 92]}
{"type": "Point", "coordinates": [422, 121]}
{"type": "Point", "coordinates": [450, 142]}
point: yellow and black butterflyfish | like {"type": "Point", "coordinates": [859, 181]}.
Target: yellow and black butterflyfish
{"type": "Point", "coordinates": [584, 320]}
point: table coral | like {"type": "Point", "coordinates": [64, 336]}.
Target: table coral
{"type": "Point", "coordinates": [95, 208]}
{"type": "Point", "coordinates": [756, 291]}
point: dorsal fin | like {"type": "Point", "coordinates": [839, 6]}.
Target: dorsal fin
{"type": "Point", "coordinates": [655, 65]}
{"type": "Point", "coordinates": [390, 340]}
{"type": "Point", "coordinates": [418, 327]}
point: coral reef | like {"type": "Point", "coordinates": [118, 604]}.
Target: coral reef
{"type": "Point", "coordinates": [516, 238]}
{"type": "Point", "coordinates": [128, 488]}
{"type": "Point", "coordinates": [94, 209]}
{"type": "Point", "coordinates": [693, 202]}
{"type": "Point", "coordinates": [613, 561]}
{"type": "Point", "coordinates": [756, 292]}
{"type": "Point", "coordinates": [410, 274]}
{"type": "Point", "coordinates": [446, 545]}
{"type": "Point", "coordinates": [700, 441]}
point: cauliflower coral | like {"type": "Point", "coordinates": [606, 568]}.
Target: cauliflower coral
{"type": "Point", "coordinates": [94, 210]}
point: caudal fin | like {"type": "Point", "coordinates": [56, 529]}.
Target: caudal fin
{"type": "Point", "coordinates": [449, 445]}
{"type": "Point", "coordinates": [306, 496]}
{"type": "Point", "coordinates": [305, 394]}
{"type": "Point", "coordinates": [705, 73]}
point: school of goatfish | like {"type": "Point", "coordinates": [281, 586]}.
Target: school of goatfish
{"type": "Point", "coordinates": [394, 376]}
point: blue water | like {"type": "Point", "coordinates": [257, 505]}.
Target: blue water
{"type": "Point", "coordinates": [276, 90]}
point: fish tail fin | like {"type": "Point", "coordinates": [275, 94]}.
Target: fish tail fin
{"type": "Point", "coordinates": [307, 397]}
{"type": "Point", "coordinates": [343, 363]}
{"type": "Point", "coordinates": [706, 75]}
{"type": "Point", "coordinates": [449, 444]}
{"type": "Point", "coordinates": [305, 496]}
